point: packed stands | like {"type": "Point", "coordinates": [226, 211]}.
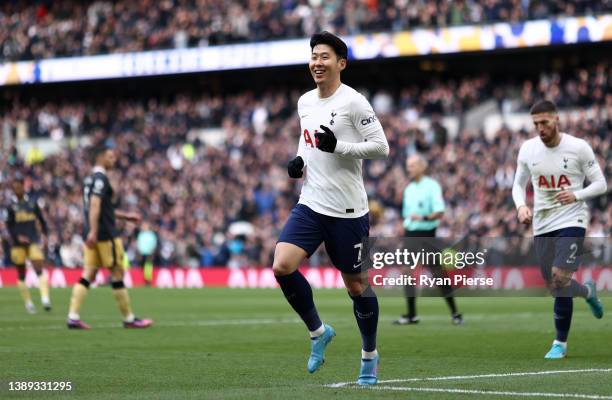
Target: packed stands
{"type": "Point", "coordinates": [64, 28]}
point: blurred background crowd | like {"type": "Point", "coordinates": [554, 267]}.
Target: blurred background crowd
{"type": "Point", "coordinates": [223, 203]}
{"type": "Point", "coordinates": [207, 168]}
{"type": "Point", "coordinates": [61, 28]}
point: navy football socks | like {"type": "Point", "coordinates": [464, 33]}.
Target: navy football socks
{"type": "Point", "coordinates": [365, 308]}
{"type": "Point", "coordinates": [578, 289]}
{"type": "Point", "coordinates": [574, 289]}
{"type": "Point", "coordinates": [410, 294]}
{"type": "Point", "coordinates": [447, 292]}
{"type": "Point", "coordinates": [563, 309]}
{"type": "Point", "coordinates": [298, 293]}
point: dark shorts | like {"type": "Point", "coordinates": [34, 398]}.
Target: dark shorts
{"type": "Point", "coordinates": [561, 248]}
{"type": "Point", "coordinates": [343, 237]}
{"type": "Point", "coordinates": [420, 234]}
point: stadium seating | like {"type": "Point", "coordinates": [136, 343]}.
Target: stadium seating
{"type": "Point", "coordinates": [69, 27]}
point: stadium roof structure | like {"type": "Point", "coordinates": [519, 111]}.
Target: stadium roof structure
{"type": "Point", "coordinates": [418, 42]}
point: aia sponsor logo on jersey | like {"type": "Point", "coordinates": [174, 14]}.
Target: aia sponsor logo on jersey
{"type": "Point", "coordinates": [553, 182]}
{"type": "Point", "coordinates": [309, 139]}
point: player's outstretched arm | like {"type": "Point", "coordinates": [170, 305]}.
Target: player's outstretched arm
{"type": "Point", "coordinates": [592, 171]}
{"type": "Point", "coordinates": [128, 216]}
{"type": "Point", "coordinates": [519, 187]}
{"type": "Point", "coordinates": [41, 220]}
{"type": "Point", "coordinates": [295, 166]}
{"type": "Point", "coordinates": [10, 225]}
{"type": "Point", "coordinates": [95, 206]}
{"type": "Point", "coordinates": [374, 146]}
{"type": "Point", "coordinates": [365, 122]}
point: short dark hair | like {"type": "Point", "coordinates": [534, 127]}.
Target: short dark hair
{"type": "Point", "coordinates": [543, 106]}
{"type": "Point", "coordinates": [332, 41]}
{"type": "Point", "coordinates": [96, 150]}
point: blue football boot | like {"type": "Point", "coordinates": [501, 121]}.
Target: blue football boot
{"type": "Point", "coordinates": [593, 301]}
{"type": "Point", "coordinates": [317, 348]}
{"type": "Point", "coordinates": [556, 352]}
{"type": "Point", "coordinates": [368, 374]}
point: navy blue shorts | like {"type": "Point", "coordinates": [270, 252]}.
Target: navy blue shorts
{"type": "Point", "coordinates": [561, 248]}
{"type": "Point", "coordinates": [343, 237]}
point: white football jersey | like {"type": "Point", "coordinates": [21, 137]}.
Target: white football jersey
{"type": "Point", "coordinates": [553, 169]}
{"type": "Point", "coordinates": [334, 184]}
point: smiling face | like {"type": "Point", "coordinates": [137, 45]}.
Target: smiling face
{"type": "Point", "coordinates": [547, 126]}
{"type": "Point", "coordinates": [324, 65]}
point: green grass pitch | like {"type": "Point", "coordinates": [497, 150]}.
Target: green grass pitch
{"type": "Point", "coordinates": [246, 344]}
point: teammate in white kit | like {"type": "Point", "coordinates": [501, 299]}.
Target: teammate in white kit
{"type": "Point", "coordinates": [338, 128]}
{"type": "Point", "coordinates": [558, 164]}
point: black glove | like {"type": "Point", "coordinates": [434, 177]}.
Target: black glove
{"type": "Point", "coordinates": [326, 140]}
{"type": "Point", "coordinates": [295, 166]}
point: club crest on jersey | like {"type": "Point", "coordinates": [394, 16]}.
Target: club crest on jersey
{"type": "Point", "coordinates": [552, 183]}
{"type": "Point", "coordinates": [565, 160]}
{"type": "Point", "coordinates": [333, 114]}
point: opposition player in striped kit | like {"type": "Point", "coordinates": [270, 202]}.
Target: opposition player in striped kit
{"type": "Point", "coordinates": [22, 215]}
{"type": "Point", "coordinates": [338, 130]}
{"type": "Point", "coordinates": [103, 246]}
{"type": "Point", "coordinates": [558, 164]}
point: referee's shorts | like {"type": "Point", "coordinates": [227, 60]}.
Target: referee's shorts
{"type": "Point", "coordinates": [417, 234]}
{"type": "Point", "coordinates": [420, 242]}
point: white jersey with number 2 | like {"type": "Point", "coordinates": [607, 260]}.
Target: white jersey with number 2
{"type": "Point", "coordinates": [553, 169]}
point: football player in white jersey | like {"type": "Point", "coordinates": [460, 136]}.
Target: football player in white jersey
{"type": "Point", "coordinates": [338, 128]}
{"type": "Point", "coordinates": [558, 164]}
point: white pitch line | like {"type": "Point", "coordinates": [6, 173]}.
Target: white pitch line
{"type": "Point", "coordinates": [460, 377]}
{"type": "Point", "coordinates": [471, 317]}
{"type": "Point", "coordinates": [61, 324]}
{"type": "Point", "coordinates": [509, 374]}
{"type": "Point", "coordinates": [496, 393]}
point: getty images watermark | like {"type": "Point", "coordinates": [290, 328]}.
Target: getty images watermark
{"type": "Point", "coordinates": [483, 266]}
{"type": "Point", "coordinates": [444, 260]}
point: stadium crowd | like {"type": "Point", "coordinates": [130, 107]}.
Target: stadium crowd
{"type": "Point", "coordinates": [60, 28]}
{"type": "Point", "coordinates": [224, 202]}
